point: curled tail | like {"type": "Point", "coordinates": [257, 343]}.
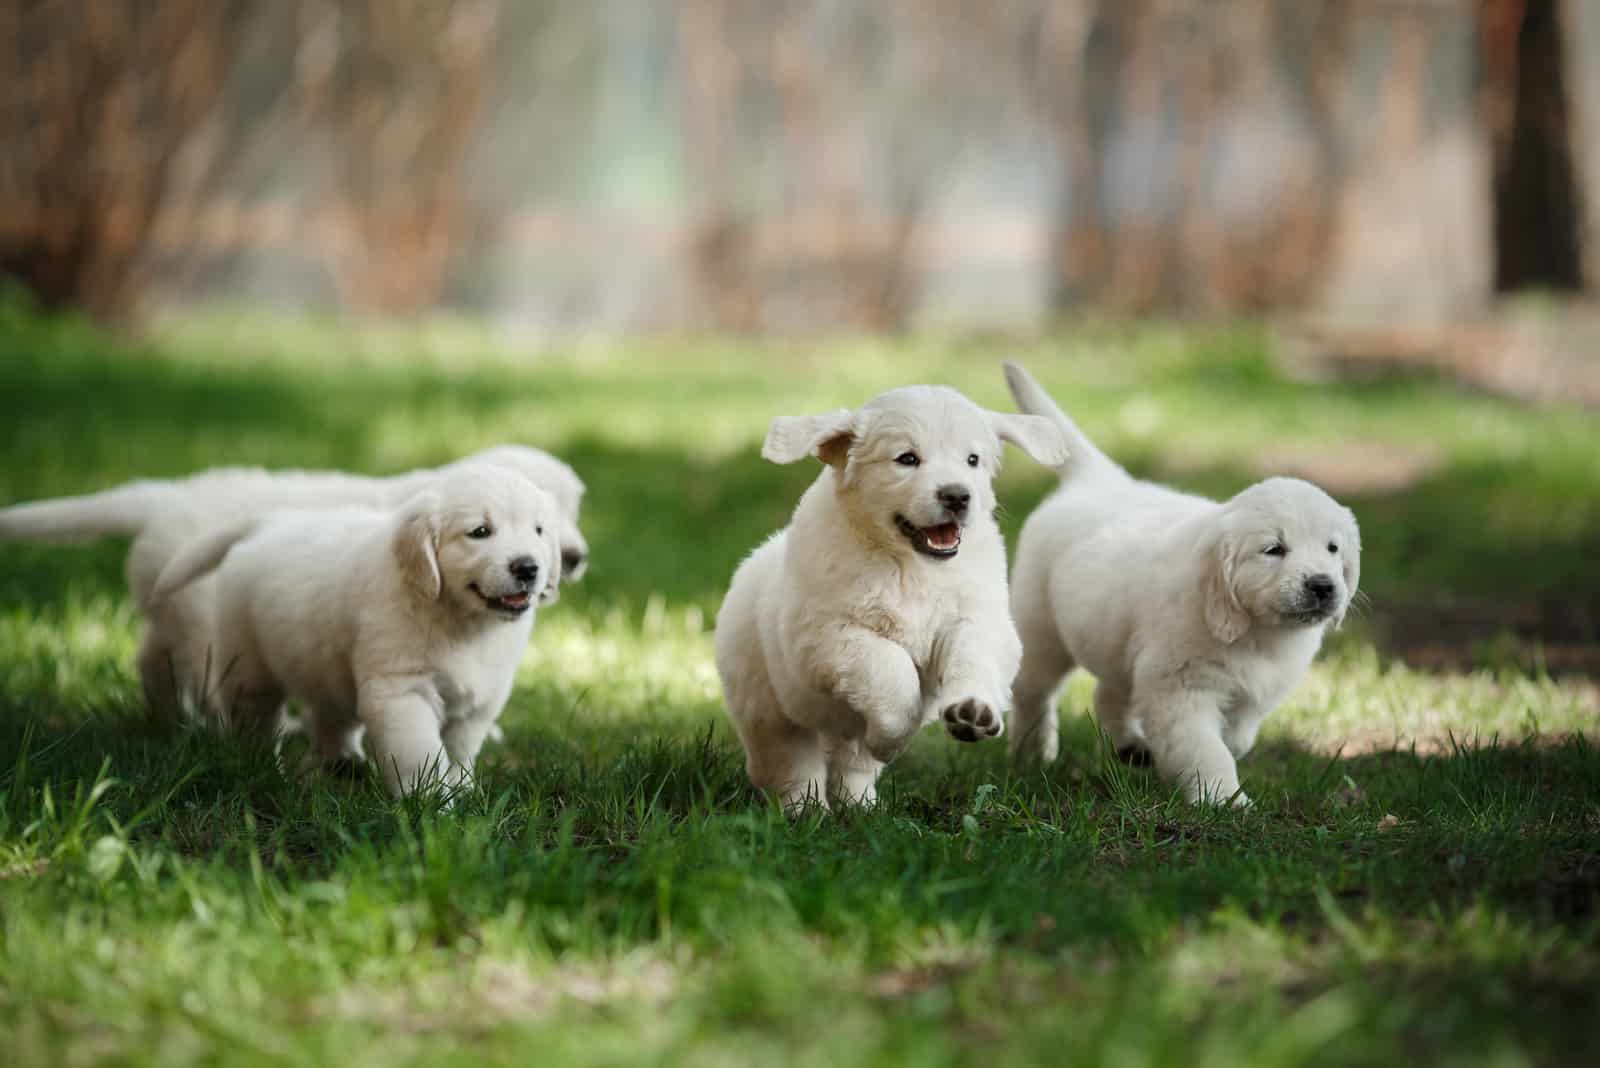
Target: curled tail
{"type": "Point", "coordinates": [124, 510]}
{"type": "Point", "coordinates": [199, 557]}
{"type": "Point", "coordinates": [1082, 455]}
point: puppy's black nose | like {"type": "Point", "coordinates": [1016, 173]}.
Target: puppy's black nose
{"type": "Point", "coordinates": [1321, 587]}
{"type": "Point", "coordinates": [524, 568]}
{"type": "Point", "coordinates": [572, 560]}
{"type": "Point", "coordinates": [954, 497]}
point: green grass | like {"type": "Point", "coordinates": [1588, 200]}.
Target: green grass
{"type": "Point", "coordinates": [1417, 882]}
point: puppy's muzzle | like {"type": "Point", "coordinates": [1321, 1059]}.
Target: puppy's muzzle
{"type": "Point", "coordinates": [955, 497]}
{"type": "Point", "coordinates": [525, 570]}
{"type": "Point", "coordinates": [1319, 597]}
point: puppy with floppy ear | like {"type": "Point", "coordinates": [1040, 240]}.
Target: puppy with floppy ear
{"type": "Point", "coordinates": [405, 625]}
{"type": "Point", "coordinates": [1195, 617]}
{"type": "Point", "coordinates": [176, 662]}
{"type": "Point", "coordinates": [882, 606]}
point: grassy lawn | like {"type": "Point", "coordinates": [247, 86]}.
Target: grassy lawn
{"type": "Point", "coordinates": [1417, 882]}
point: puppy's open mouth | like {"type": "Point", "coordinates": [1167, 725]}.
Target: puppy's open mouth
{"type": "Point", "coordinates": [507, 604]}
{"type": "Point", "coordinates": [940, 542]}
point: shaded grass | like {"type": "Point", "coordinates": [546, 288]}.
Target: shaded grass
{"type": "Point", "coordinates": [1418, 879]}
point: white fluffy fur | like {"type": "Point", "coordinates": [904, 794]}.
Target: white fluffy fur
{"type": "Point", "coordinates": [1191, 629]}
{"type": "Point", "coordinates": [383, 620]}
{"type": "Point", "coordinates": [175, 659]}
{"type": "Point", "coordinates": [838, 640]}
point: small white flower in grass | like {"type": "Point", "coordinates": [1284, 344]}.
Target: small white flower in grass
{"type": "Point", "coordinates": [105, 857]}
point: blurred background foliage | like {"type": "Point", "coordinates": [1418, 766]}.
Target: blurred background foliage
{"type": "Point", "coordinates": [799, 164]}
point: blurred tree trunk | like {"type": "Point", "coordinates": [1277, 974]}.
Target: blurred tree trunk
{"type": "Point", "coordinates": [400, 85]}
{"type": "Point", "coordinates": [100, 98]}
{"type": "Point", "coordinates": [793, 214]}
{"type": "Point", "coordinates": [1074, 74]}
{"type": "Point", "coordinates": [1211, 149]}
{"type": "Point", "coordinates": [720, 253]}
{"type": "Point", "coordinates": [1537, 222]}
{"type": "Point", "coordinates": [108, 138]}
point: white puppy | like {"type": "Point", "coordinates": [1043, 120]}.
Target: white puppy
{"type": "Point", "coordinates": [408, 623]}
{"type": "Point", "coordinates": [883, 605]}
{"type": "Point", "coordinates": [174, 659]}
{"type": "Point", "coordinates": [1195, 617]}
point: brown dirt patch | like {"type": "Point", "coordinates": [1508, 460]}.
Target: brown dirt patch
{"type": "Point", "coordinates": [1558, 636]}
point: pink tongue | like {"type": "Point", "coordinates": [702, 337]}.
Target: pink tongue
{"type": "Point", "coordinates": [947, 536]}
{"type": "Point", "coordinates": [515, 600]}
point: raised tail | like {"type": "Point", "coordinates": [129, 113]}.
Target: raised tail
{"type": "Point", "coordinates": [199, 557]}
{"type": "Point", "coordinates": [1082, 455]}
{"type": "Point", "coordinates": [123, 510]}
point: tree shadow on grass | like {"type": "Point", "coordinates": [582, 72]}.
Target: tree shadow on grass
{"type": "Point", "coordinates": [1085, 853]}
{"type": "Point", "coordinates": [1511, 821]}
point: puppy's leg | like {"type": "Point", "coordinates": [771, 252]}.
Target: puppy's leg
{"type": "Point", "coordinates": [877, 679]}
{"type": "Point", "coordinates": [335, 740]}
{"type": "Point", "coordinates": [1112, 713]}
{"type": "Point", "coordinates": [1045, 663]}
{"type": "Point", "coordinates": [1240, 732]}
{"type": "Point", "coordinates": [975, 667]}
{"type": "Point", "coordinates": [786, 759]}
{"type": "Point", "coordinates": [1185, 735]}
{"type": "Point", "coordinates": [179, 655]}
{"type": "Point", "coordinates": [463, 738]}
{"type": "Point", "coordinates": [780, 757]}
{"type": "Point", "coordinates": [246, 698]}
{"type": "Point", "coordinates": [404, 728]}
{"type": "Point", "coordinates": [852, 773]}
{"type": "Point", "coordinates": [161, 674]}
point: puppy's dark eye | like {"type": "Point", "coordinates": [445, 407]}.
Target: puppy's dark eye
{"type": "Point", "coordinates": [1276, 549]}
{"type": "Point", "coordinates": [908, 459]}
{"type": "Point", "coordinates": [1333, 547]}
{"type": "Point", "coordinates": [480, 532]}
{"type": "Point", "coordinates": [538, 530]}
{"type": "Point", "coordinates": [972, 460]}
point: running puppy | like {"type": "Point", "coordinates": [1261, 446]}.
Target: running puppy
{"type": "Point", "coordinates": [882, 606]}
{"type": "Point", "coordinates": [407, 623]}
{"type": "Point", "coordinates": [1195, 617]}
{"type": "Point", "coordinates": [175, 660]}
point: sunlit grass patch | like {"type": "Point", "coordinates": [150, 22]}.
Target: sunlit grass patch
{"type": "Point", "coordinates": [1415, 883]}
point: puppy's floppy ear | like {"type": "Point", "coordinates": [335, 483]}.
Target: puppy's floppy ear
{"type": "Point", "coordinates": [1226, 618]}
{"type": "Point", "coordinates": [1035, 435]}
{"type": "Point", "coordinates": [570, 537]}
{"type": "Point", "coordinates": [551, 593]}
{"type": "Point", "coordinates": [1350, 561]}
{"type": "Point", "coordinates": [794, 437]}
{"type": "Point", "coordinates": [416, 546]}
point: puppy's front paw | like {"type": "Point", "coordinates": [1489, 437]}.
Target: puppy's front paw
{"type": "Point", "coordinates": [972, 719]}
